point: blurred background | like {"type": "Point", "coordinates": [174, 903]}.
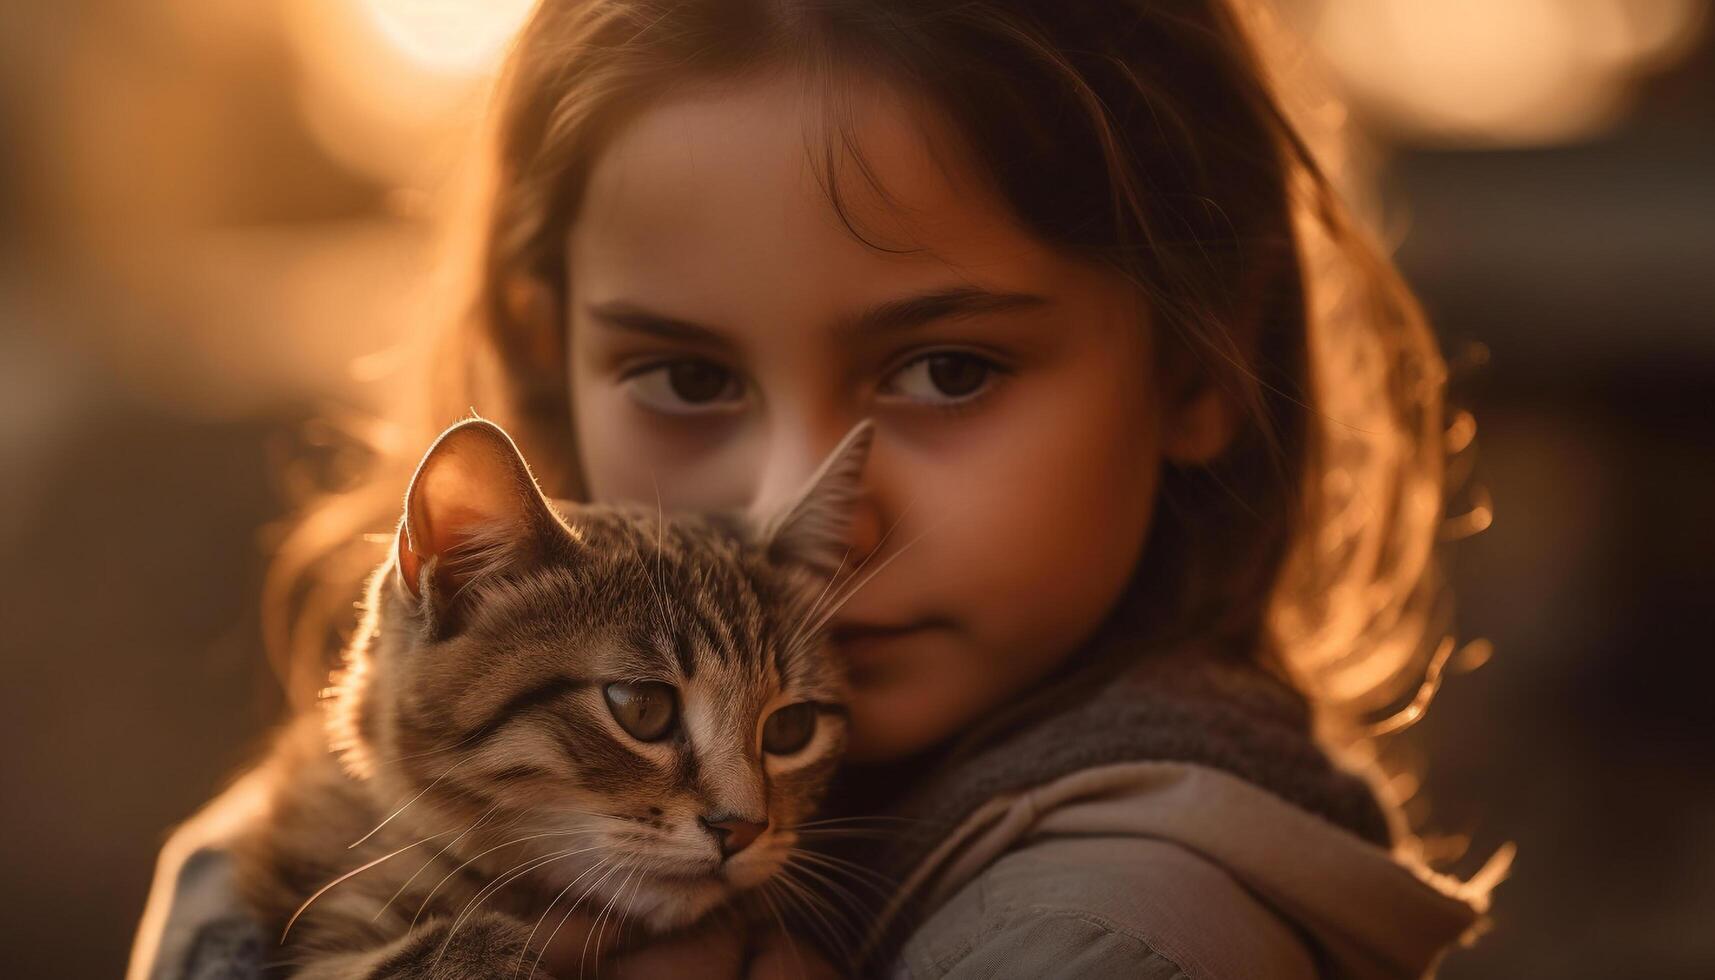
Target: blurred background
{"type": "Point", "coordinates": [215, 228]}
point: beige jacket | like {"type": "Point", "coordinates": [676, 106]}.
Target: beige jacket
{"type": "Point", "coordinates": [1162, 869]}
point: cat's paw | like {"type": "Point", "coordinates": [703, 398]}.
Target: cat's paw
{"type": "Point", "coordinates": [483, 947]}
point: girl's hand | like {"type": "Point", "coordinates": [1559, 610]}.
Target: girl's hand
{"type": "Point", "coordinates": [717, 951]}
{"type": "Point", "coordinates": [712, 952]}
{"type": "Point", "coordinates": [776, 956]}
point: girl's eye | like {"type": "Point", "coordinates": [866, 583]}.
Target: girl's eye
{"type": "Point", "coordinates": [943, 378]}
{"type": "Point", "coordinates": [788, 730]}
{"type": "Point", "coordinates": [647, 710]}
{"type": "Point", "coordinates": [686, 387]}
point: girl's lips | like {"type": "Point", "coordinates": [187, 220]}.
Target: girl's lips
{"type": "Point", "coordinates": [866, 639]}
{"type": "Point", "coordinates": [841, 632]}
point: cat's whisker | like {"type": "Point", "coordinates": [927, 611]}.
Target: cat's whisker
{"type": "Point", "coordinates": [814, 619]}
{"type": "Point", "coordinates": [487, 891]}
{"type": "Point", "coordinates": [837, 924]}
{"type": "Point", "coordinates": [668, 619]}
{"type": "Point", "coordinates": [563, 919]}
{"type": "Point", "coordinates": [601, 919]}
{"type": "Point", "coordinates": [349, 875]}
{"type": "Point", "coordinates": [871, 576]}
{"type": "Point", "coordinates": [449, 845]}
{"type": "Point", "coordinates": [788, 899]}
{"type": "Point", "coordinates": [780, 920]}
{"type": "Point", "coordinates": [880, 884]}
{"type": "Point", "coordinates": [602, 862]}
{"type": "Point", "coordinates": [802, 631]}
{"type": "Point", "coordinates": [847, 833]}
{"type": "Point", "coordinates": [886, 536]}
{"type": "Point", "coordinates": [857, 819]}
{"type": "Point", "coordinates": [473, 736]}
{"type": "Point", "coordinates": [844, 916]}
{"type": "Point", "coordinates": [823, 874]}
{"type": "Point", "coordinates": [621, 908]}
{"type": "Point", "coordinates": [660, 534]}
{"type": "Point", "coordinates": [481, 854]}
{"type": "Point", "coordinates": [618, 865]}
{"type": "Point", "coordinates": [834, 863]}
{"type": "Point", "coordinates": [814, 611]}
{"type": "Point", "coordinates": [543, 918]}
{"type": "Point", "coordinates": [420, 793]}
{"type": "Point", "coordinates": [519, 870]}
{"type": "Point", "coordinates": [810, 610]}
{"type": "Point", "coordinates": [823, 910]}
{"type": "Point", "coordinates": [620, 933]}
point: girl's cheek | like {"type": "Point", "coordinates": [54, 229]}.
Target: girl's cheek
{"type": "Point", "coordinates": [1048, 511]}
{"type": "Point", "coordinates": [613, 469]}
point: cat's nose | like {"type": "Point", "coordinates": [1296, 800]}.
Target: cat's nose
{"type": "Point", "coordinates": [732, 833]}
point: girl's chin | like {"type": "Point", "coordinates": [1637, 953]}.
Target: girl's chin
{"type": "Point", "coordinates": [892, 719]}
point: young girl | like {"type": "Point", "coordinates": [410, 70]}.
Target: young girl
{"type": "Point", "coordinates": [1151, 497]}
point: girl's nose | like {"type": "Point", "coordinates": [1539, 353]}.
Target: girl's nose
{"type": "Point", "coordinates": [865, 530]}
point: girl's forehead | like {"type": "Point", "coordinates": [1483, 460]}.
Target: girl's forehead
{"type": "Point", "coordinates": [713, 201]}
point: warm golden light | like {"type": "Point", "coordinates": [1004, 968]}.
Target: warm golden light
{"type": "Point", "coordinates": [1503, 73]}
{"type": "Point", "coordinates": [460, 37]}
{"type": "Point", "coordinates": [387, 85]}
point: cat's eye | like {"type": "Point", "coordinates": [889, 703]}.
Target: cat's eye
{"type": "Point", "coordinates": [946, 377]}
{"type": "Point", "coordinates": [788, 730]}
{"type": "Point", "coordinates": [686, 386]}
{"type": "Point", "coordinates": [647, 709]}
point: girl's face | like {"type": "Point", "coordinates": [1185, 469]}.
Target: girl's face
{"type": "Point", "coordinates": [726, 329]}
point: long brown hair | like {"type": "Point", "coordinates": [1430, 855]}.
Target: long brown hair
{"type": "Point", "coordinates": [1146, 136]}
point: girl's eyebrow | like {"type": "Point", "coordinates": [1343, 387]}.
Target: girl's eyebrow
{"type": "Point", "coordinates": [625, 315]}
{"type": "Point", "coordinates": [911, 312]}
{"type": "Point", "coordinates": [892, 316]}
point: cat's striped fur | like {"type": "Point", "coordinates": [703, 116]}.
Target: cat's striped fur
{"type": "Point", "coordinates": [470, 729]}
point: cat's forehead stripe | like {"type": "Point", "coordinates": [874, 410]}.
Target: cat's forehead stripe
{"type": "Point", "coordinates": [543, 694]}
{"type": "Point", "coordinates": [687, 657]}
{"type": "Point", "coordinates": [702, 628]}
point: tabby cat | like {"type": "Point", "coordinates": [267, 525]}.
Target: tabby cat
{"type": "Point", "coordinates": [544, 709]}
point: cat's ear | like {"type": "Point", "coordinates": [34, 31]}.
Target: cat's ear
{"type": "Point", "coordinates": [812, 528]}
{"type": "Point", "coordinates": [472, 506]}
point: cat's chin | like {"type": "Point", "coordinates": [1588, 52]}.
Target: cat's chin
{"type": "Point", "coordinates": [668, 903]}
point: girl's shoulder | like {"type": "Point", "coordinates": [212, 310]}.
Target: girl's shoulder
{"type": "Point", "coordinates": [1174, 868]}
{"type": "Point", "coordinates": [1105, 906]}
{"type": "Point", "coordinates": [195, 925]}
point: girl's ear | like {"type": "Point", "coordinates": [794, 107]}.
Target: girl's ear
{"type": "Point", "coordinates": [472, 507]}
{"type": "Point", "coordinates": [1200, 427]}
{"type": "Point", "coordinates": [1207, 415]}
{"type": "Point", "coordinates": [812, 528]}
